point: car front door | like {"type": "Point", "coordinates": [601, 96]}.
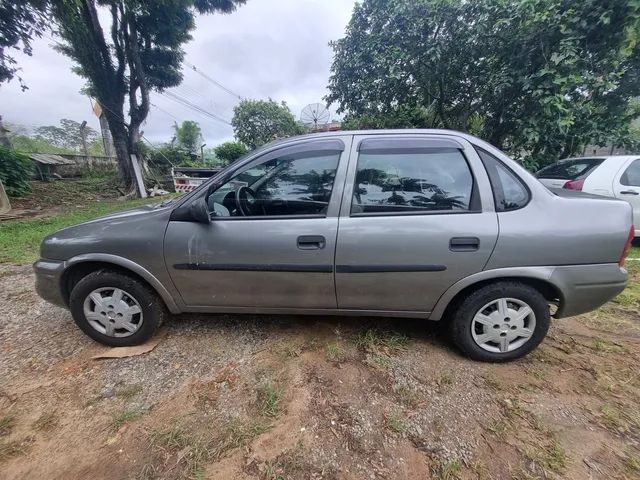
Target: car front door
{"type": "Point", "coordinates": [626, 185]}
{"type": "Point", "coordinates": [417, 215]}
{"type": "Point", "coordinates": [271, 239]}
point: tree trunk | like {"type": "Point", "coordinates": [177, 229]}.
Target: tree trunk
{"type": "Point", "coordinates": [4, 139]}
{"type": "Point", "coordinates": [121, 145]}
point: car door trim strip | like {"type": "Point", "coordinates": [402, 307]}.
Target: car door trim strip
{"type": "Point", "coordinates": [389, 268]}
{"type": "Point", "coordinates": [250, 267]}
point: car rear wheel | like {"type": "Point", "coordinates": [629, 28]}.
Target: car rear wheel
{"type": "Point", "coordinates": [500, 322]}
{"type": "Point", "coordinates": [115, 309]}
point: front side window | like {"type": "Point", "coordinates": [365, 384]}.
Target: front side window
{"type": "Point", "coordinates": [509, 192]}
{"type": "Point", "coordinates": [290, 185]}
{"type": "Point", "coordinates": [631, 175]}
{"type": "Point", "coordinates": [412, 180]}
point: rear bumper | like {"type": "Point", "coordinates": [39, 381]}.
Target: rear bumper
{"type": "Point", "coordinates": [586, 287]}
{"type": "Point", "coordinates": [48, 284]}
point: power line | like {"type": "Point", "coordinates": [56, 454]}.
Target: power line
{"type": "Point", "coordinates": [215, 82]}
{"type": "Point", "coordinates": [188, 104]}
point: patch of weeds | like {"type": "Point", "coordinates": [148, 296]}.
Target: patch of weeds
{"type": "Point", "coordinates": [632, 462]}
{"type": "Point", "coordinates": [45, 422]}
{"type": "Point", "coordinates": [128, 392]}
{"type": "Point", "coordinates": [13, 449]}
{"type": "Point", "coordinates": [396, 423]}
{"type": "Point", "coordinates": [408, 396]}
{"type": "Point", "coordinates": [551, 457]}
{"type": "Point", "coordinates": [447, 470]}
{"type": "Point", "coordinates": [286, 350]}
{"type": "Point", "coordinates": [608, 347]}
{"type": "Point", "coordinates": [269, 396]}
{"type": "Point", "coordinates": [446, 379]}
{"type": "Point", "coordinates": [492, 381]}
{"type": "Point", "coordinates": [611, 416]}
{"type": "Point", "coordinates": [499, 428]}
{"type": "Point", "coordinates": [335, 353]}
{"type": "Point", "coordinates": [126, 416]}
{"type": "Point", "coordinates": [6, 424]}
{"type": "Point", "coordinates": [373, 339]}
{"type": "Point", "coordinates": [378, 361]}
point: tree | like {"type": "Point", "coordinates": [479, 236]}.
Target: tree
{"type": "Point", "coordinates": [68, 135]}
{"type": "Point", "coordinates": [140, 51]}
{"type": "Point", "coordinates": [229, 152]}
{"type": "Point", "coordinates": [189, 136]}
{"type": "Point", "coordinates": [256, 122]}
{"type": "Point", "coordinates": [20, 22]}
{"type": "Point", "coordinates": [540, 78]}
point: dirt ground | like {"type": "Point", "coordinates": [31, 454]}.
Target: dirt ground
{"type": "Point", "coordinates": [259, 397]}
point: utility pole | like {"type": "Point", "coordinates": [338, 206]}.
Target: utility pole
{"type": "Point", "coordinates": [202, 152]}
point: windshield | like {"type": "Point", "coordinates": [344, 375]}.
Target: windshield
{"type": "Point", "coordinates": [570, 169]}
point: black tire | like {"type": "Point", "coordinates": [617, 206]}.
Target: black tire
{"type": "Point", "coordinates": [463, 314]}
{"type": "Point", "coordinates": [152, 306]}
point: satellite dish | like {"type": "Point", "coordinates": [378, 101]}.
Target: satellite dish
{"type": "Point", "coordinates": [315, 115]}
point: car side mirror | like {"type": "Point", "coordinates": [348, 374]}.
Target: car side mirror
{"type": "Point", "coordinates": [199, 211]}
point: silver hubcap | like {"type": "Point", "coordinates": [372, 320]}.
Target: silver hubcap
{"type": "Point", "coordinates": [503, 325]}
{"type": "Point", "coordinates": [113, 312]}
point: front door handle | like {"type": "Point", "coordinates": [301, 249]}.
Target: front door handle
{"type": "Point", "coordinates": [464, 244]}
{"type": "Point", "coordinates": [629, 192]}
{"type": "Point", "coordinates": [311, 242]}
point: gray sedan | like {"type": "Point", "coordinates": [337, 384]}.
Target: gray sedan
{"type": "Point", "coordinates": [430, 224]}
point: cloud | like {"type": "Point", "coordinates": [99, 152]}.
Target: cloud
{"type": "Point", "coordinates": [267, 48]}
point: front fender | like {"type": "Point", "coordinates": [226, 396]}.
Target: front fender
{"type": "Point", "coordinates": [129, 265]}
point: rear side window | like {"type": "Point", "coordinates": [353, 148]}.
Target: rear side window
{"type": "Point", "coordinates": [631, 175]}
{"type": "Point", "coordinates": [570, 169]}
{"type": "Point", "coordinates": [412, 181]}
{"type": "Point", "coordinates": [509, 192]}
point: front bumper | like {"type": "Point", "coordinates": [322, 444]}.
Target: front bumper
{"type": "Point", "coordinates": [48, 281]}
{"type": "Point", "coordinates": [586, 287]}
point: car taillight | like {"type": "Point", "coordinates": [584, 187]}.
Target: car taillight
{"type": "Point", "coordinates": [627, 246]}
{"type": "Point", "coordinates": [574, 185]}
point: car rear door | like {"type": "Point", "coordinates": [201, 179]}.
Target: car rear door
{"type": "Point", "coordinates": [279, 259]}
{"type": "Point", "coordinates": [626, 186]}
{"type": "Point", "coordinates": [417, 215]}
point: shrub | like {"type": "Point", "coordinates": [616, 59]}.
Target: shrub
{"type": "Point", "coordinates": [16, 170]}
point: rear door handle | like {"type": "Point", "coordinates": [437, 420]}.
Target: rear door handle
{"type": "Point", "coordinates": [464, 244]}
{"type": "Point", "coordinates": [629, 192]}
{"type": "Point", "coordinates": [311, 242]}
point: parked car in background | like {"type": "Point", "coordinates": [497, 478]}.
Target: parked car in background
{"type": "Point", "coordinates": [430, 224]}
{"type": "Point", "coordinates": [616, 176]}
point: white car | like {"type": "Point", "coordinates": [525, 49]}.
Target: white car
{"type": "Point", "coordinates": [616, 176]}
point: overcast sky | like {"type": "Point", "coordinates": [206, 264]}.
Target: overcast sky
{"type": "Point", "coordinates": [267, 48]}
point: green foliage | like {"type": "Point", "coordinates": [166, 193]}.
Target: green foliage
{"type": "Point", "coordinates": [539, 78]}
{"type": "Point", "coordinates": [189, 136]}
{"type": "Point", "coordinates": [256, 122]}
{"type": "Point", "coordinates": [16, 170]}
{"type": "Point", "coordinates": [28, 144]}
{"type": "Point", "coordinates": [163, 157]}
{"type": "Point", "coordinates": [20, 22]}
{"type": "Point", "coordinates": [229, 152]}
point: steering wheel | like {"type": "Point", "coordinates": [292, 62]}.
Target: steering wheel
{"type": "Point", "coordinates": [246, 201]}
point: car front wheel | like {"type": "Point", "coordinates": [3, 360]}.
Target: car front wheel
{"type": "Point", "coordinates": [115, 309]}
{"type": "Point", "coordinates": [500, 322]}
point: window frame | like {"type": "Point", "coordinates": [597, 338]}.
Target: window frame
{"type": "Point", "coordinates": [328, 146]}
{"type": "Point", "coordinates": [624, 178]}
{"type": "Point", "coordinates": [496, 183]}
{"type": "Point", "coordinates": [410, 145]}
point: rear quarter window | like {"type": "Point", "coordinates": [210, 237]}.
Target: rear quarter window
{"type": "Point", "coordinates": [509, 192]}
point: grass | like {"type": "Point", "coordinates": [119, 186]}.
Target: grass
{"type": "Point", "coordinates": [20, 239]}
{"type": "Point", "coordinates": [335, 353]}
{"type": "Point", "coordinates": [373, 339]}
{"type": "Point", "coordinates": [46, 421]}
{"type": "Point", "coordinates": [6, 424]}
{"type": "Point", "coordinates": [447, 470]}
{"type": "Point", "coordinates": [128, 392]}
{"type": "Point", "coordinates": [396, 423]}
{"type": "Point", "coordinates": [286, 350]}
{"type": "Point", "coordinates": [13, 449]}
{"type": "Point", "coordinates": [126, 416]}
{"type": "Point", "coordinates": [269, 396]}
